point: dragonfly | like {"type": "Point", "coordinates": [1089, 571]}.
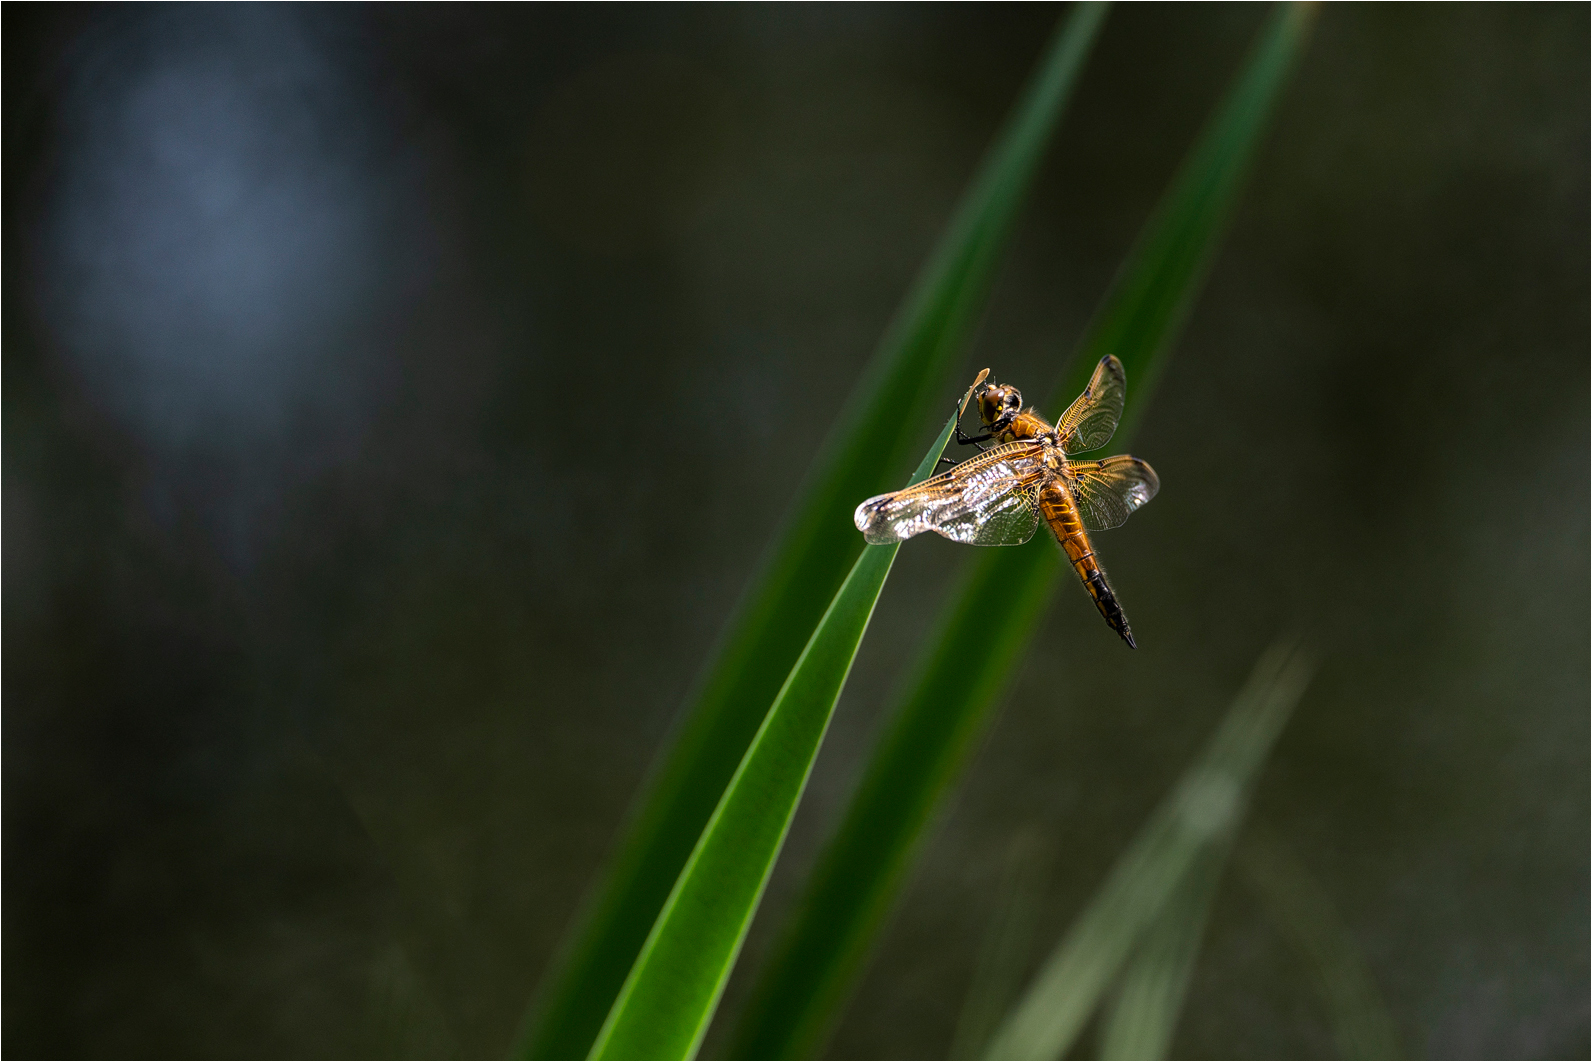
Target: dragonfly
{"type": "Point", "coordinates": [999, 497]}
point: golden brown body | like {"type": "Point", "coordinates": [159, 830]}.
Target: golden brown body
{"type": "Point", "coordinates": [1061, 515]}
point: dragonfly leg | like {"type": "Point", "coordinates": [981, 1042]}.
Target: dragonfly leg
{"type": "Point", "coordinates": [972, 440]}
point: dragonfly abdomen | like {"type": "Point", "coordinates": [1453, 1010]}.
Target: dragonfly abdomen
{"type": "Point", "coordinates": [1062, 516]}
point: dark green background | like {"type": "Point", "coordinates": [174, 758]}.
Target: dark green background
{"type": "Point", "coordinates": [396, 401]}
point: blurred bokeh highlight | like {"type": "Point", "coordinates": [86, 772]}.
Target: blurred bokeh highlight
{"type": "Point", "coordinates": [398, 399]}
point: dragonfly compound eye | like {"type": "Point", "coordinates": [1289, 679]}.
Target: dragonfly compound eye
{"type": "Point", "coordinates": [990, 403]}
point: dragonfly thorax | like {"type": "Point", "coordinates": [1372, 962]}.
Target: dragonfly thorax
{"type": "Point", "coordinates": [1053, 457]}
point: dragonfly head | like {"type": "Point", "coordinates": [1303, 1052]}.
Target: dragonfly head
{"type": "Point", "coordinates": [999, 404]}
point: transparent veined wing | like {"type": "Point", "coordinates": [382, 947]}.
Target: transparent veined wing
{"type": "Point", "coordinates": [990, 500]}
{"type": "Point", "coordinates": [1107, 491]}
{"type": "Point", "coordinates": [1091, 420]}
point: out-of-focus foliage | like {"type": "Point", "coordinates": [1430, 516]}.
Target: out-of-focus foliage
{"type": "Point", "coordinates": [1157, 894]}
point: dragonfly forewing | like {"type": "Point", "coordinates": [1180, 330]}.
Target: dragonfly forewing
{"type": "Point", "coordinates": [1089, 423]}
{"type": "Point", "coordinates": [990, 500]}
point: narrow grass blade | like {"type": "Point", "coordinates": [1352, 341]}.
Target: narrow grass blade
{"type": "Point", "coordinates": [666, 1003]}
{"type": "Point", "coordinates": [870, 442]}
{"type": "Point", "coordinates": [967, 663]}
{"type": "Point", "coordinates": [1304, 914]}
{"type": "Point", "coordinates": [1196, 821]}
{"type": "Point", "coordinates": [1144, 1010]}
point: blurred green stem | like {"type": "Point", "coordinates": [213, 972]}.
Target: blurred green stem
{"type": "Point", "coordinates": [1190, 830]}
{"type": "Point", "coordinates": [1144, 1010]}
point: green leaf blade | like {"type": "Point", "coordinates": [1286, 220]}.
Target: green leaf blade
{"type": "Point", "coordinates": [936, 723]}
{"type": "Point", "coordinates": [1144, 1010]}
{"type": "Point", "coordinates": [1162, 274]}
{"type": "Point", "coordinates": [664, 1008]}
{"type": "Point", "coordinates": [860, 870]}
{"type": "Point", "coordinates": [819, 546]}
{"type": "Point", "coordinates": [1194, 824]}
